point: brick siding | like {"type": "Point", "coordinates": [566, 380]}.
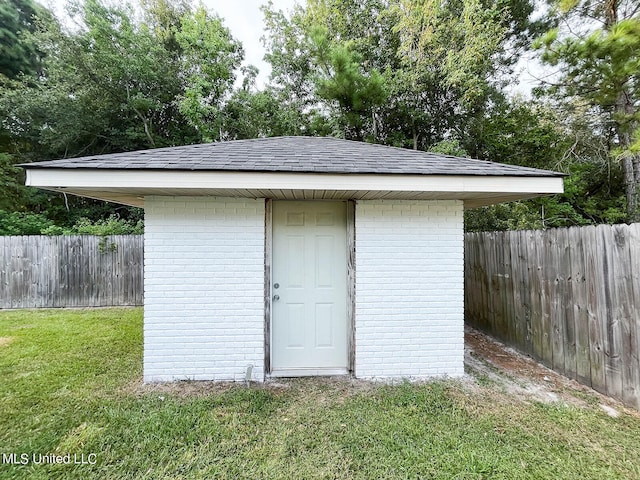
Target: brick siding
{"type": "Point", "coordinates": [409, 289]}
{"type": "Point", "coordinates": [204, 293]}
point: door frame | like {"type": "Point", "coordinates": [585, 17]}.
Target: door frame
{"type": "Point", "coordinates": [351, 282]}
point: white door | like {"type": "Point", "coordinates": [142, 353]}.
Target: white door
{"type": "Point", "coordinates": [309, 288]}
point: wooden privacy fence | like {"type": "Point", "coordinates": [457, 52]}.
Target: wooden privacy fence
{"type": "Point", "coordinates": [568, 297]}
{"type": "Point", "coordinates": [71, 271]}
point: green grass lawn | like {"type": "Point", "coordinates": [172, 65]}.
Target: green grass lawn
{"type": "Point", "coordinates": [71, 384]}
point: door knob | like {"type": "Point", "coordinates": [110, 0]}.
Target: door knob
{"type": "Point", "coordinates": [276, 297]}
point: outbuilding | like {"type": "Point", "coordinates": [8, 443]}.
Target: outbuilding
{"type": "Point", "coordinates": [297, 256]}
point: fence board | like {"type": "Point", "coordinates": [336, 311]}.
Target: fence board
{"type": "Point", "coordinates": [535, 293]}
{"type": "Point", "coordinates": [483, 290]}
{"type": "Point", "coordinates": [578, 299]}
{"type": "Point", "coordinates": [469, 275]}
{"type": "Point", "coordinates": [496, 311]}
{"type": "Point", "coordinates": [479, 286]}
{"type": "Point", "coordinates": [595, 298]}
{"type": "Point", "coordinates": [505, 280]}
{"type": "Point", "coordinates": [546, 279]}
{"type": "Point", "coordinates": [557, 286]}
{"type": "Point", "coordinates": [612, 339]}
{"type": "Point", "coordinates": [620, 262]}
{"type": "Point", "coordinates": [17, 268]}
{"type": "Point", "coordinates": [569, 297]}
{"type": "Point", "coordinates": [526, 289]}
{"type": "Point", "coordinates": [566, 304]}
{"type": "Point", "coordinates": [516, 312]}
{"type": "Point", "coordinates": [70, 271]}
{"type": "Point", "coordinates": [632, 386]}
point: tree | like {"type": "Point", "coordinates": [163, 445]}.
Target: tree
{"type": "Point", "coordinates": [106, 86]}
{"type": "Point", "coordinates": [117, 81]}
{"type": "Point", "coordinates": [327, 61]}
{"type": "Point", "coordinates": [11, 184]}
{"type": "Point", "coordinates": [454, 41]}
{"type": "Point", "coordinates": [538, 135]}
{"type": "Point", "coordinates": [250, 113]}
{"type": "Point", "coordinates": [17, 54]}
{"type": "Point", "coordinates": [341, 81]}
{"type": "Point", "coordinates": [209, 59]}
{"type": "Point", "coordinates": [599, 54]}
{"type": "Point", "coordinates": [423, 72]}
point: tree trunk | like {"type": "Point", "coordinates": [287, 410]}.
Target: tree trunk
{"type": "Point", "coordinates": [145, 121]}
{"type": "Point", "coordinates": [610, 13]}
{"type": "Point", "coordinates": [375, 126]}
{"type": "Point", "coordinates": [630, 161]}
{"type": "Point", "coordinates": [624, 112]}
{"type": "Point", "coordinates": [631, 168]}
{"type": "Point", "coordinates": [632, 187]}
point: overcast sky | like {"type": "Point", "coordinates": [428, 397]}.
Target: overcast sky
{"type": "Point", "coordinates": [245, 20]}
{"type": "Point", "coordinates": [243, 17]}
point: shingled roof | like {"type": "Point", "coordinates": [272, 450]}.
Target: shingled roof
{"type": "Point", "coordinates": [295, 155]}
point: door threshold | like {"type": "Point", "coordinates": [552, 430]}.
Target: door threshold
{"type": "Point", "coordinates": [308, 372]}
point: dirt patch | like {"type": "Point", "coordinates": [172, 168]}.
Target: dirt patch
{"type": "Point", "coordinates": [339, 386]}
{"type": "Point", "coordinates": [520, 375]}
{"type": "Point", "coordinates": [486, 361]}
{"type": "Point", "coordinates": [4, 341]}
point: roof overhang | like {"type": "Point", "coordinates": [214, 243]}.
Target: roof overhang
{"type": "Point", "coordinates": [130, 186]}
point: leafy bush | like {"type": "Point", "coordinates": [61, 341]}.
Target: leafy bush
{"type": "Point", "coordinates": [18, 223]}
{"type": "Point", "coordinates": [23, 223]}
{"type": "Point", "coordinates": [111, 226]}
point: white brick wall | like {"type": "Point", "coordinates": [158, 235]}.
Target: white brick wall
{"type": "Point", "coordinates": [204, 293]}
{"type": "Point", "coordinates": [409, 289]}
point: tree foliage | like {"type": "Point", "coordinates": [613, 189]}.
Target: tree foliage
{"type": "Point", "coordinates": [209, 59]}
{"type": "Point", "coordinates": [342, 82]}
{"type": "Point", "coordinates": [454, 42]}
{"type": "Point", "coordinates": [599, 52]}
{"type": "Point", "coordinates": [121, 79]}
{"type": "Point", "coordinates": [406, 73]}
{"type": "Point", "coordinates": [421, 74]}
{"type": "Point", "coordinates": [17, 54]}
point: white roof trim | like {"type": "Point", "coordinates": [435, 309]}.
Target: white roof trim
{"type": "Point", "coordinates": [126, 185]}
{"type": "Point", "coordinates": [124, 179]}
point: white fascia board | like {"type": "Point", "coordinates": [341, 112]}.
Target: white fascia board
{"type": "Point", "coordinates": [168, 179]}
